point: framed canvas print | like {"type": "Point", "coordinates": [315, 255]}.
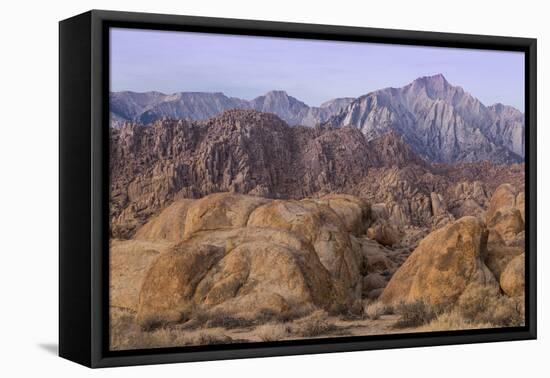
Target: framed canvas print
{"type": "Point", "coordinates": [234, 188]}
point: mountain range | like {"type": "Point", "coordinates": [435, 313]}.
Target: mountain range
{"type": "Point", "coordinates": [440, 122]}
{"type": "Point", "coordinates": [148, 107]}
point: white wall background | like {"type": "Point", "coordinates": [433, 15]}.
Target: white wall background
{"type": "Point", "coordinates": [29, 186]}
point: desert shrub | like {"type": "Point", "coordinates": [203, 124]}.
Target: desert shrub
{"type": "Point", "coordinates": [126, 333]}
{"type": "Point", "coordinates": [374, 310]}
{"type": "Point", "coordinates": [316, 324]}
{"type": "Point", "coordinates": [273, 332]}
{"type": "Point", "coordinates": [227, 321]}
{"type": "Point", "coordinates": [354, 311]}
{"type": "Point", "coordinates": [296, 312]}
{"type": "Point", "coordinates": [414, 314]}
{"type": "Point", "coordinates": [481, 307]}
{"type": "Point", "coordinates": [210, 339]}
{"type": "Point", "coordinates": [488, 306]}
{"type": "Point", "coordinates": [153, 323]}
{"type": "Point", "coordinates": [201, 318]}
{"type": "Point", "coordinates": [122, 327]}
{"type": "Point", "coordinates": [452, 320]}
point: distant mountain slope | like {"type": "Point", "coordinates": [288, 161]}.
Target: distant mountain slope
{"type": "Point", "coordinates": [149, 107]}
{"type": "Point", "coordinates": [441, 122]}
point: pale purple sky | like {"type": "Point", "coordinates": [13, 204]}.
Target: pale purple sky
{"type": "Point", "coordinates": [310, 70]}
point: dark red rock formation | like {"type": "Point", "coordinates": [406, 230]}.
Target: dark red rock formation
{"type": "Point", "coordinates": [255, 153]}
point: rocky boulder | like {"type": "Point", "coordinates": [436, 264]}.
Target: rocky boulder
{"type": "Point", "coordinates": [507, 223]}
{"type": "Point", "coordinates": [447, 263]}
{"type": "Point", "coordinates": [353, 211]}
{"type": "Point", "coordinates": [245, 256]}
{"type": "Point", "coordinates": [504, 213]}
{"type": "Point", "coordinates": [385, 234]}
{"type": "Point", "coordinates": [503, 197]}
{"type": "Point", "coordinates": [512, 279]}
{"type": "Point", "coordinates": [241, 273]}
{"type": "Point", "coordinates": [168, 225]}
{"type": "Point", "coordinates": [499, 255]}
{"type": "Point", "coordinates": [128, 264]}
{"type": "Point", "coordinates": [220, 211]}
{"type": "Point", "coordinates": [520, 204]}
{"type": "Point", "coordinates": [379, 212]}
{"type": "Point", "coordinates": [323, 228]}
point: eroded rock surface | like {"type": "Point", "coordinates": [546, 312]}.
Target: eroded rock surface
{"type": "Point", "coordinates": [512, 279]}
{"type": "Point", "coordinates": [245, 255]}
{"type": "Point", "coordinates": [445, 264]}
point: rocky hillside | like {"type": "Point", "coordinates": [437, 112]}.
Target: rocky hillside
{"type": "Point", "coordinates": [149, 107]}
{"type": "Point", "coordinates": [254, 153]}
{"type": "Point", "coordinates": [441, 122]}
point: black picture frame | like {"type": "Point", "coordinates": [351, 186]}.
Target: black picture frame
{"type": "Point", "coordinates": [84, 190]}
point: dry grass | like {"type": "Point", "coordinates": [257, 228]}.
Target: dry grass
{"type": "Point", "coordinates": [219, 318]}
{"type": "Point", "coordinates": [414, 314]}
{"type": "Point", "coordinates": [127, 334]}
{"type": "Point", "coordinates": [478, 308]}
{"type": "Point", "coordinates": [484, 306]}
{"type": "Point", "coordinates": [375, 310]}
{"type": "Point", "coordinates": [273, 332]}
{"type": "Point", "coordinates": [316, 324]}
{"type": "Point", "coordinates": [211, 339]}
{"type": "Point", "coordinates": [452, 321]}
{"type": "Point", "coordinates": [207, 328]}
{"type": "Point", "coordinates": [481, 308]}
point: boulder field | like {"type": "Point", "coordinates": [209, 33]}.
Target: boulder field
{"type": "Point", "coordinates": [465, 256]}
{"type": "Point", "coordinates": [248, 257]}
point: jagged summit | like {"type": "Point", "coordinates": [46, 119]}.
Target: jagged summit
{"type": "Point", "coordinates": [437, 79]}
{"type": "Point", "coordinates": [441, 122]}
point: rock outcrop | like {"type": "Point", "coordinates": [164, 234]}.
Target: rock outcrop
{"type": "Point", "coordinates": [245, 256]}
{"type": "Point", "coordinates": [253, 153]}
{"type": "Point", "coordinates": [447, 263]}
{"type": "Point", "coordinates": [220, 211]}
{"type": "Point", "coordinates": [168, 225]}
{"type": "Point", "coordinates": [499, 255]}
{"type": "Point", "coordinates": [512, 279]}
{"type": "Point", "coordinates": [504, 214]}
{"type": "Point", "coordinates": [320, 226]}
{"type": "Point", "coordinates": [128, 264]}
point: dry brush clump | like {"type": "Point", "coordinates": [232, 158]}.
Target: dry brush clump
{"type": "Point", "coordinates": [415, 314]}
{"type": "Point", "coordinates": [212, 339]}
{"type": "Point", "coordinates": [316, 324]}
{"type": "Point", "coordinates": [481, 308]}
{"type": "Point", "coordinates": [126, 333]}
{"type": "Point", "coordinates": [452, 321]}
{"type": "Point", "coordinates": [273, 331]}
{"type": "Point", "coordinates": [483, 305]}
{"type": "Point", "coordinates": [375, 310]}
{"type": "Point", "coordinates": [202, 319]}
